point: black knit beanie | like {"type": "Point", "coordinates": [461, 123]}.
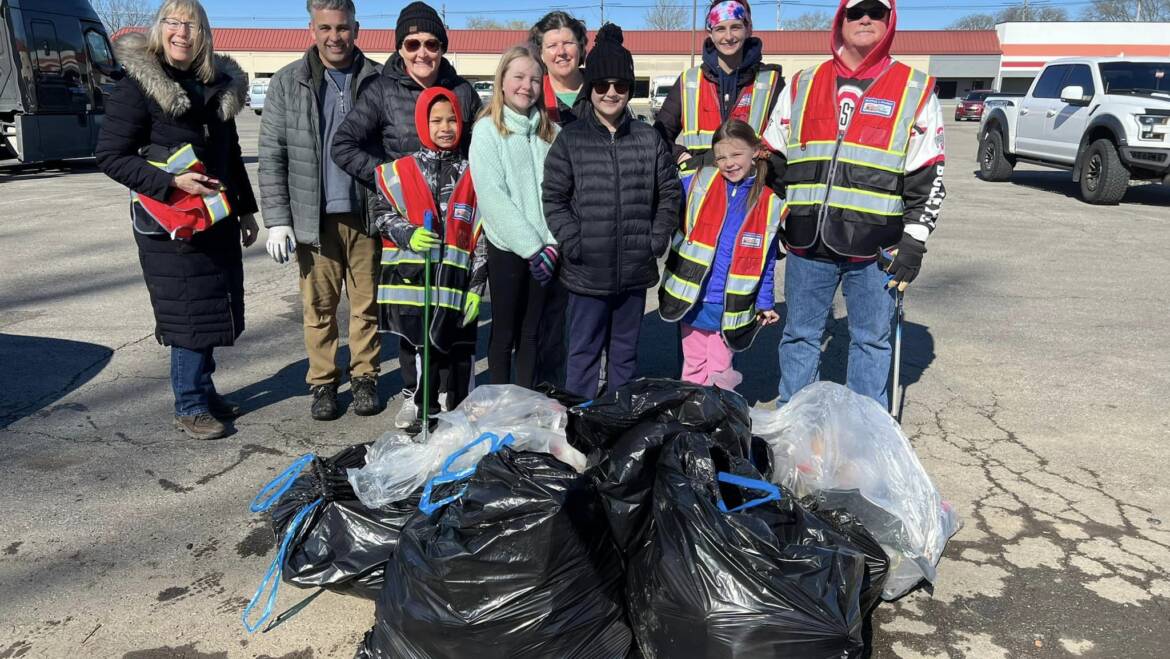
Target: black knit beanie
{"type": "Point", "coordinates": [608, 59]}
{"type": "Point", "coordinates": [419, 17]}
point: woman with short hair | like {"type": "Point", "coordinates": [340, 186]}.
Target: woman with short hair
{"type": "Point", "coordinates": [169, 136]}
{"type": "Point", "coordinates": [559, 40]}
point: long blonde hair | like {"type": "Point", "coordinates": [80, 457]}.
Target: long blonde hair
{"type": "Point", "coordinates": [495, 109]}
{"type": "Point", "coordinates": [203, 63]}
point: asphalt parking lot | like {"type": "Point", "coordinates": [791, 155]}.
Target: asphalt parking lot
{"type": "Point", "coordinates": [1036, 371]}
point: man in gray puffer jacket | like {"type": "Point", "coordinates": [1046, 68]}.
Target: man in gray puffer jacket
{"type": "Point", "coordinates": [311, 203]}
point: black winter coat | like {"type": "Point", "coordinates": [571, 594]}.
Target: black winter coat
{"type": "Point", "coordinates": [612, 201]}
{"type": "Point", "coordinates": [380, 128]}
{"type": "Point", "coordinates": [196, 287]}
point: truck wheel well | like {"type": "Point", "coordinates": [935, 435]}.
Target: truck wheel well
{"type": "Point", "coordinates": [1101, 132]}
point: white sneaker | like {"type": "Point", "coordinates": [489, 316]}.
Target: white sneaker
{"type": "Point", "coordinates": [407, 412]}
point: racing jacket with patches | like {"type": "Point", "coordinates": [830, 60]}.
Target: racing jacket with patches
{"type": "Point", "coordinates": [920, 186]}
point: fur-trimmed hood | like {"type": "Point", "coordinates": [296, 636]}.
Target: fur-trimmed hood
{"type": "Point", "coordinates": [231, 81]}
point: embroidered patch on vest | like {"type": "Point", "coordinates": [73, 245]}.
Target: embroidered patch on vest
{"type": "Point", "coordinates": [462, 212]}
{"type": "Point", "coordinates": [751, 240]}
{"type": "Point", "coordinates": [878, 106]}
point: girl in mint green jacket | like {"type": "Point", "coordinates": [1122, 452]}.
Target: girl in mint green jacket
{"type": "Point", "coordinates": [508, 147]}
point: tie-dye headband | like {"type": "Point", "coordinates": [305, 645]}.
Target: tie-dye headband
{"type": "Point", "coordinates": [727, 11]}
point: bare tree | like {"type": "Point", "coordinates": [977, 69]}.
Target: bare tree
{"type": "Point", "coordinates": [817, 20]}
{"type": "Point", "coordinates": [1018, 12]}
{"type": "Point", "coordinates": [974, 22]}
{"type": "Point", "coordinates": [665, 15]}
{"type": "Point", "coordinates": [119, 14]}
{"type": "Point", "coordinates": [482, 23]}
{"type": "Point", "coordinates": [1127, 10]}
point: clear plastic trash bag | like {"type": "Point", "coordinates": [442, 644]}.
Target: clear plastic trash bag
{"type": "Point", "coordinates": [845, 449]}
{"type": "Point", "coordinates": [396, 466]}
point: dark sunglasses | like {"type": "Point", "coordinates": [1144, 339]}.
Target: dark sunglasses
{"type": "Point", "coordinates": [602, 86]}
{"type": "Point", "coordinates": [411, 45]}
{"type": "Point", "coordinates": [876, 13]}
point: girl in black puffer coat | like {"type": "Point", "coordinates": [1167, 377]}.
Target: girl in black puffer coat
{"type": "Point", "coordinates": [611, 197]}
{"type": "Point", "coordinates": [176, 92]}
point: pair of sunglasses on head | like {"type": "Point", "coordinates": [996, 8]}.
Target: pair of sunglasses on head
{"type": "Point", "coordinates": [875, 12]}
{"type": "Point", "coordinates": [412, 45]}
{"type": "Point", "coordinates": [619, 86]}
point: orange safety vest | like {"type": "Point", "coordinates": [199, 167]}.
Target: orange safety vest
{"type": "Point", "coordinates": [183, 214]}
{"type": "Point", "coordinates": [693, 251]}
{"type": "Point", "coordinates": [845, 186]}
{"type": "Point", "coordinates": [700, 106]}
{"type": "Point", "coordinates": [403, 185]}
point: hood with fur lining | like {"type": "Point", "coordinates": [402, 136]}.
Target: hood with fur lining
{"type": "Point", "coordinates": [167, 92]}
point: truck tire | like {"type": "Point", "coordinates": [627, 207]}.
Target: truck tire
{"type": "Point", "coordinates": [1104, 179]}
{"type": "Point", "coordinates": [993, 163]}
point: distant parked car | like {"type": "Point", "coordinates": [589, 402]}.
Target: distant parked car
{"type": "Point", "coordinates": [256, 95]}
{"type": "Point", "coordinates": [484, 89]}
{"type": "Point", "coordinates": [971, 107]}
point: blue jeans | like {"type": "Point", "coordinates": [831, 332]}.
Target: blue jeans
{"type": "Point", "coordinates": [191, 379]}
{"type": "Point", "coordinates": [809, 286]}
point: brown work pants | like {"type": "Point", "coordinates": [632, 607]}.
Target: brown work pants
{"type": "Point", "coordinates": [346, 256]}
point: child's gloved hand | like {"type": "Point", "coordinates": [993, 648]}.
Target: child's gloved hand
{"type": "Point", "coordinates": [470, 308]}
{"type": "Point", "coordinates": [422, 240]}
{"type": "Point", "coordinates": [543, 264]}
{"type": "Point", "coordinates": [767, 317]}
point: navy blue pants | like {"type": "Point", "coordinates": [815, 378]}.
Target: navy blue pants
{"type": "Point", "coordinates": [596, 323]}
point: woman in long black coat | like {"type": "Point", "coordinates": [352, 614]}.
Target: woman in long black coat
{"type": "Point", "coordinates": [177, 92]}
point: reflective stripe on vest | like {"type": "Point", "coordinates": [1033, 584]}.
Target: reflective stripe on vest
{"type": "Point", "coordinates": [184, 159]}
{"type": "Point", "coordinates": [696, 133]}
{"type": "Point", "coordinates": [857, 149]}
{"type": "Point", "coordinates": [413, 296]}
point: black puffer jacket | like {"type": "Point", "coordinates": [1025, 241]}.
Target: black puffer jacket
{"type": "Point", "coordinates": [196, 287]}
{"type": "Point", "coordinates": [612, 201]}
{"type": "Point", "coordinates": [386, 109]}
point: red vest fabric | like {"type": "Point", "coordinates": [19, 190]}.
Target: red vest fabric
{"type": "Point", "coordinates": [874, 117]}
{"type": "Point", "coordinates": [413, 199]}
{"type": "Point", "coordinates": [183, 214]}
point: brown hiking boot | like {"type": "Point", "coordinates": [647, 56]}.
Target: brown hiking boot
{"type": "Point", "coordinates": [200, 426]}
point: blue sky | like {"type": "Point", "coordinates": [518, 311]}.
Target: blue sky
{"type": "Point", "coordinates": [912, 14]}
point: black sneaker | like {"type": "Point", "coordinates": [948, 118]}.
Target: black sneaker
{"type": "Point", "coordinates": [324, 402]}
{"type": "Point", "coordinates": [365, 396]}
{"type": "Point", "coordinates": [415, 427]}
{"type": "Point", "coordinates": [222, 408]}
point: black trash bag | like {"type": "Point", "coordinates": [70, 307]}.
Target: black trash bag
{"type": "Point", "coordinates": [342, 545]}
{"type": "Point", "coordinates": [623, 433]}
{"type": "Point", "coordinates": [522, 565]}
{"type": "Point", "coordinates": [596, 425]}
{"type": "Point", "coordinates": [847, 530]}
{"type": "Point", "coordinates": [709, 583]}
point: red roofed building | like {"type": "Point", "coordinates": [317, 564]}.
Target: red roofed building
{"type": "Point", "coordinates": [961, 60]}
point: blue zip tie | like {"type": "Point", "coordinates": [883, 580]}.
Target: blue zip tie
{"type": "Point", "coordinates": [772, 493]}
{"type": "Point", "coordinates": [281, 483]}
{"type": "Point", "coordinates": [273, 574]}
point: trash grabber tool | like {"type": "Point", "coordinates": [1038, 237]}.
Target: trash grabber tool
{"type": "Point", "coordinates": [896, 396]}
{"type": "Point", "coordinates": [885, 260]}
{"type": "Point", "coordinates": [428, 222]}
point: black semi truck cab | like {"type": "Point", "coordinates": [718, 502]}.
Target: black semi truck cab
{"type": "Point", "coordinates": [56, 68]}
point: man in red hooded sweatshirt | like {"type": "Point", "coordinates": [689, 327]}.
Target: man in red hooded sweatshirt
{"type": "Point", "coordinates": [862, 139]}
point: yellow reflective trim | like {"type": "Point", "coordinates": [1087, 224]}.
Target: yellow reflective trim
{"type": "Point", "coordinates": [859, 209]}
{"type": "Point", "coordinates": [871, 165]}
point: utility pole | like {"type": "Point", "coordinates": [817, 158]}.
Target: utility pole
{"type": "Point", "coordinates": [443, 13]}
{"type": "Point", "coordinates": [1138, 17]}
{"type": "Point", "coordinates": [779, 24]}
{"type": "Point", "coordinates": [1026, 10]}
{"type": "Point", "coordinates": [694, 25]}
{"type": "Point", "coordinates": [603, 12]}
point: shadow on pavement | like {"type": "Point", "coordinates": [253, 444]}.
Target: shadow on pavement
{"type": "Point", "coordinates": [40, 370]}
{"type": "Point", "coordinates": [1145, 194]}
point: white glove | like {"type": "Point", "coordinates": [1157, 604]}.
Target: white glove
{"type": "Point", "coordinates": [280, 243]}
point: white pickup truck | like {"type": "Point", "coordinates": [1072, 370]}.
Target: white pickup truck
{"type": "Point", "coordinates": [1107, 119]}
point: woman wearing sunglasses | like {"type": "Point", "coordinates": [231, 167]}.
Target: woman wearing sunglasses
{"type": "Point", "coordinates": [381, 127]}
{"type": "Point", "coordinates": [731, 83]}
{"type": "Point", "coordinates": [611, 198]}
{"type": "Point", "coordinates": [880, 122]}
